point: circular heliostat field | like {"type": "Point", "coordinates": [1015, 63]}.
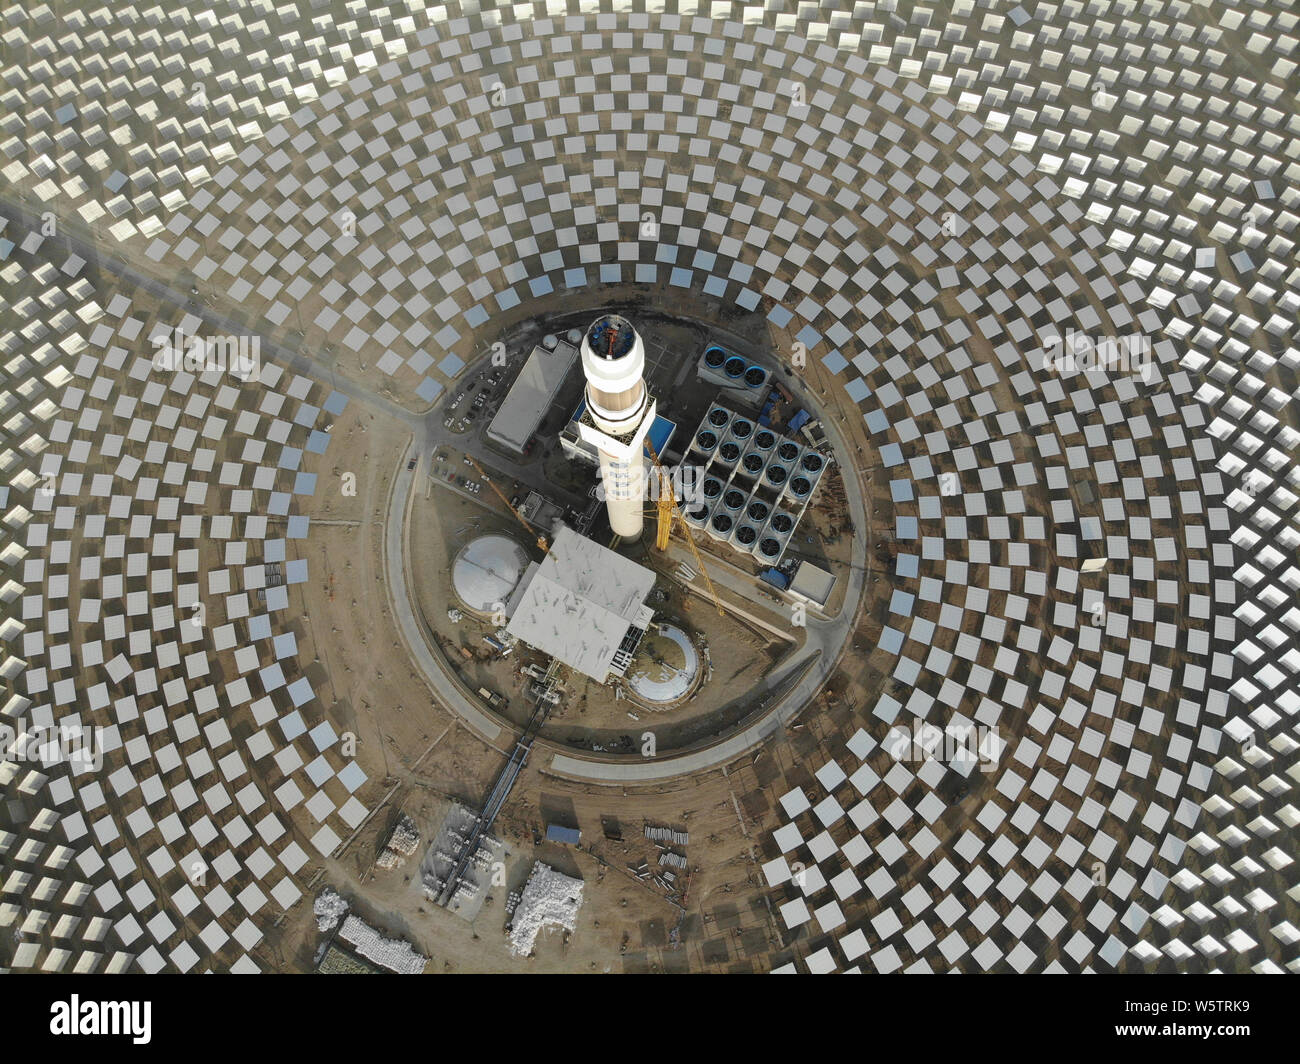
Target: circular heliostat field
{"type": "Point", "coordinates": [486, 572]}
{"type": "Point", "coordinates": [666, 667]}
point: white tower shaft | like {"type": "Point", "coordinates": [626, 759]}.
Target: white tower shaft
{"type": "Point", "coordinates": [620, 412]}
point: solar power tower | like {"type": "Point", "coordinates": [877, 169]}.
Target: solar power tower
{"type": "Point", "coordinates": [618, 415]}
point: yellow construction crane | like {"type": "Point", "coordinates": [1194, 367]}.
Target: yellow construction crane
{"type": "Point", "coordinates": [663, 512]}
{"type": "Point", "coordinates": [667, 509]}
{"type": "Point", "coordinates": [542, 544]}
{"type": "Point", "coordinates": [667, 497]}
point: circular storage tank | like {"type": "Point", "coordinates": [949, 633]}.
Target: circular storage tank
{"type": "Point", "coordinates": [729, 452]}
{"type": "Point", "coordinates": [788, 451]}
{"type": "Point", "coordinates": [712, 488]}
{"type": "Point", "coordinates": [733, 500]}
{"type": "Point", "coordinates": [486, 572]}
{"type": "Point", "coordinates": [740, 428]}
{"type": "Point", "coordinates": [706, 440]}
{"type": "Point", "coordinates": [764, 440]}
{"type": "Point", "coordinates": [714, 357]}
{"type": "Point", "coordinates": [746, 534]}
{"type": "Point", "coordinates": [549, 341]}
{"type": "Point", "coordinates": [757, 511]}
{"type": "Point", "coordinates": [718, 417]}
{"type": "Point", "coordinates": [753, 464]}
{"type": "Point", "coordinates": [734, 367]}
{"type": "Point", "coordinates": [776, 474]}
{"type": "Point", "coordinates": [782, 523]}
{"type": "Point", "coordinates": [666, 667]}
{"type": "Point", "coordinates": [755, 376]}
{"type": "Point", "coordinates": [800, 486]}
{"type": "Point", "coordinates": [813, 462]}
{"type": "Point", "coordinates": [722, 523]}
{"type": "Point", "coordinates": [574, 336]}
{"type": "Point", "coordinates": [769, 548]}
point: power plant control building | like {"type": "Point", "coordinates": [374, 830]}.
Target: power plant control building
{"type": "Point", "coordinates": [530, 396]}
{"type": "Point", "coordinates": [585, 605]}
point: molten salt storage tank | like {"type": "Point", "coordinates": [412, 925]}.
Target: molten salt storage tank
{"type": "Point", "coordinates": [486, 571]}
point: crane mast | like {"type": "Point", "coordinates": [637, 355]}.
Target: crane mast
{"type": "Point", "coordinates": [668, 508]}
{"type": "Point", "coordinates": [542, 544]}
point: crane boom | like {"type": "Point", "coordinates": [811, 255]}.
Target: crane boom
{"type": "Point", "coordinates": [664, 512]}
{"type": "Point", "coordinates": [666, 492]}
{"type": "Point", "coordinates": [541, 540]}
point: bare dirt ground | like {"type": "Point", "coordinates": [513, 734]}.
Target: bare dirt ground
{"type": "Point", "coordinates": [624, 924]}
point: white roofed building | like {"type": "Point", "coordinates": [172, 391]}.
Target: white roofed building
{"type": "Point", "coordinates": [585, 605]}
{"type": "Point", "coordinates": [525, 405]}
{"type": "Point", "coordinates": [486, 572]}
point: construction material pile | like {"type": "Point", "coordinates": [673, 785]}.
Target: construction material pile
{"type": "Point", "coordinates": [393, 954]}
{"type": "Point", "coordinates": [328, 909]}
{"type": "Point", "coordinates": [550, 898]}
{"type": "Point", "coordinates": [433, 884]}
{"type": "Point", "coordinates": [401, 844]}
{"type": "Point", "coordinates": [667, 835]}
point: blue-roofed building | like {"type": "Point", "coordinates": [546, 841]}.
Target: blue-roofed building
{"type": "Point", "coordinates": [558, 833]}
